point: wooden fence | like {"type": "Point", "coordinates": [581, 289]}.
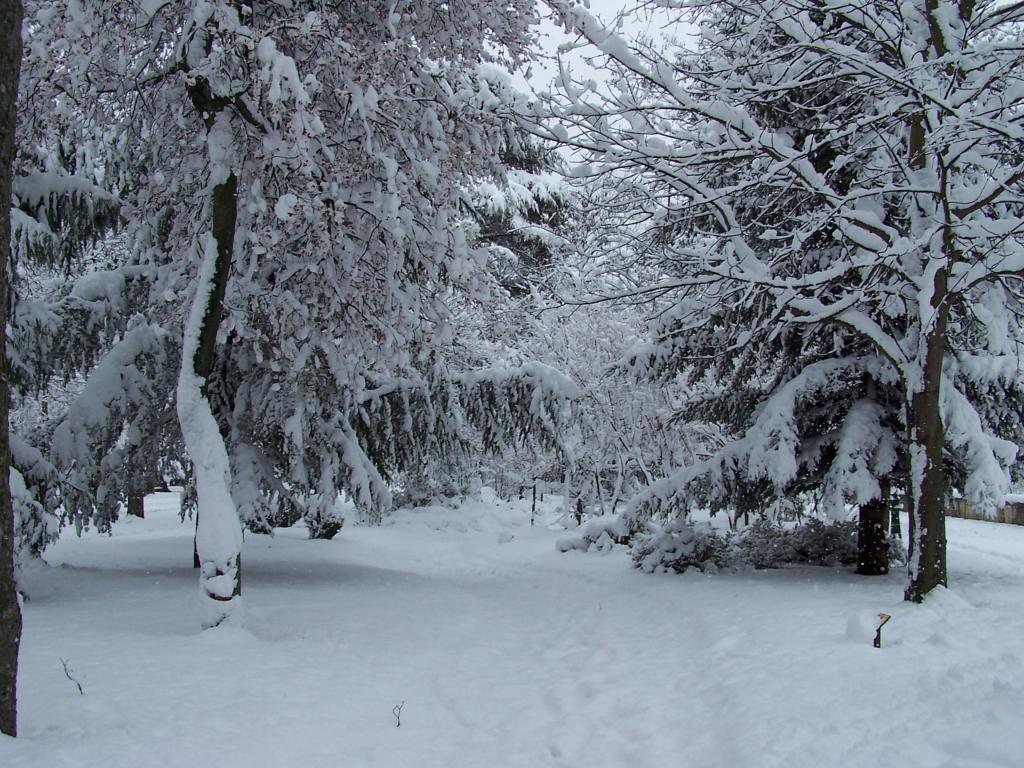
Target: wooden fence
{"type": "Point", "coordinates": [1012, 512]}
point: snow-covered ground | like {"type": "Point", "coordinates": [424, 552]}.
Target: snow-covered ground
{"type": "Point", "coordinates": [506, 652]}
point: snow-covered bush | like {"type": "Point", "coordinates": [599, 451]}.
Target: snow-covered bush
{"type": "Point", "coordinates": [34, 527]}
{"type": "Point", "coordinates": [324, 524]}
{"type": "Point", "coordinates": [599, 534]}
{"type": "Point", "coordinates": [681, 545]}
{"type": "Point", "coordinates": [819, 543]}
{"type": "Point", "coordinates": [765, 544]}
{"type": "Point", "coordinates": [684, 544]}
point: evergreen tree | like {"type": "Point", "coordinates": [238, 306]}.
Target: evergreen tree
{"type": "Point", "coordinates": [867, 223]}
{"type": "Point", "coordinates": [292, 186]}
{"type": "Point", "coordinates": [523, 221]}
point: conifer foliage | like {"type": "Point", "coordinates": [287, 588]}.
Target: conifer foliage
{"type": "Point", "coordinates": [832, 192]}
{"type": "Point", "coordinates": [292, 181]}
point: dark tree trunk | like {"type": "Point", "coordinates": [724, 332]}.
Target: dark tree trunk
{"type": "Point", "coordinates": [136, 505]}
{"type": "Point", "coordinates": [10, 611]}
{"type": "Point", "coordinates": [872, 543]}
{"type": "Point", "coordinates": [225, 214]}
{"type": "Point", "coordinates": [895, 527]}
{"type": "Point", "coordinates": [927, 480]}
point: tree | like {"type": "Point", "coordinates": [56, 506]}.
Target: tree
{"type": "Point", "coordinates": [10, 611]}
{"type": "Point", "coordinates": [523, 220]}
{"type": "Point", "coordinates": [916, 185]}
{"type": "Point", "coordinates": [295, 178]}
{"type": "Point", "coordinates": [847, 426]}
{"type": "Point", "coordinates": [538, 226]}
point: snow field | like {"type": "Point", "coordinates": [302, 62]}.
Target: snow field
{"type": "Point", "coordinates": [509, 653]}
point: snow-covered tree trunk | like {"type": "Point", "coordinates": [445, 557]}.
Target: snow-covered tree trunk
{"type": "Point", "coordinates": [926, 560]}
{"type": "Point", "coordinates": [10, 612]}
{"type": "Point", "coordinates": [218, 529]}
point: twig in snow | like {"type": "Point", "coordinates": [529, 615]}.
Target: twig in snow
{"type": "Point", "coordinates": [67, 672]}
{"type": "Point", "coordinates": [397, 712]}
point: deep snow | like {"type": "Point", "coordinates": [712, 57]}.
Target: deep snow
{"type": "Point", "coordinates": [509, 653]}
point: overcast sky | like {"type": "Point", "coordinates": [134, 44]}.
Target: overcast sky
{"type": "Point", "coordinates": [552, 36]}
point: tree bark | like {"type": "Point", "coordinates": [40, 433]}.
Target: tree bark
{"type": "Point", "coordinates": [218, 542]}
{"type": "Point", "coordinates": [10, 611]}
{"type": "Point", "coordinates": [136, 505]}
{"type": "Point", "coordinates": [927, 481]}
{"type": "Point", "coordinates": [218, 531]}
{"type": "Point", "coordinates": [872, 543]}
{"type": "Point", "coordinates": [224, 218]}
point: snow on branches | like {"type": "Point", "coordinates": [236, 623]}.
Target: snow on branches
{"type": "Point", "coordinates": [297, 177]}
{"type": "Point", "coordinates": [821, 180]}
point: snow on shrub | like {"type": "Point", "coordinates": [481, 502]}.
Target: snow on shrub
{"type": "Point", "coordinates": [685, 544]}
{"type": "Point", "coordinates": [600, 534]}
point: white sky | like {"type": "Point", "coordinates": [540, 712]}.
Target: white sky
{"type": "Point", "coordinates": [552, 36]}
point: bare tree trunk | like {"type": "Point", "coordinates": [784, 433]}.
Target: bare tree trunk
{"type": "Point", "coordinates": [10, 611]}
{"type": "Point", "coordinates": [927, 481]}
{"type": "Point", "coordinates": [136, 505]}
{"type": "Point", "coordinates": [895, 528]}
{"type": "Point", "coordinates": [872, 543]}
{"type": "Point", "coordinates": [597, 488]}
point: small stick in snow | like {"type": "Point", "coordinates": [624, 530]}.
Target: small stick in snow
{"type": "Point", "coordinates": [397, 712]}
{"type": "Point", "coordinates": [67, 673]}
{"type": "Point", "coordinates": [878, 630]}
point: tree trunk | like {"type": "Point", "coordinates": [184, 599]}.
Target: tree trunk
{"type": "Point", "coordinates": [195, 543]}
{"type": "Point", "coordinates": [218, 531]}
{"type": "Point", "coordinates": [895, 528]}
{"type": "Point", "coordinates": [10, 611]}
{"type": "Point", "coordinates": [927, 480]}
{"type": "Point", "coordinates": [872, 543]}
{"type": "Point", "coordinates": [136, 505]}
{"type": "Point", "coordinates": [218, 541]}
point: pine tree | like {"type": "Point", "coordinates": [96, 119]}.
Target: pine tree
{"type": "Point", "coordinates": [523, 221]}
{"type": "Point", "coordinates": [897, 229]}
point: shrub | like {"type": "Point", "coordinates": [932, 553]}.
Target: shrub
{"type": "Point", "coordinates": [682, 545]}
{"type": "Point", "coordinates": [818, 543]}
{"type": "Point", "coordinates": [601, 534]}
{"type": "Point", "coordinates": [323, 524]}
{"type": "Point", "coordinates": [764, 544]}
